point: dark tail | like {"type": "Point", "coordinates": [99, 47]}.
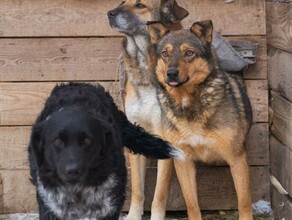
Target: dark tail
{"type": "Point", "coordinates": [137, 140]}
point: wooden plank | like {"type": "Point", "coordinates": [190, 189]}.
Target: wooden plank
{"type": "Point", "coordinates": [14, 147]}
{"type": "Point", "coordinates": [18, 192]}
{"type": "Point", "coordinates": [59, 59]}
{"type": "Point", "coordinates": [281, 164]}
{"type": "Point", "coordinates": [257, 144]}
{"type": "Point", "coordinates": [279, 72]}
{"type": "Point", "coordinates": [279, 21]}
{"type": "Point", "coordinates": [20, 103]}
{"type": "Point", "coordinates": [258, 94]}
{"type": "Point", "coordinates": [215, 188]}
{"type": "Point", "coordinates": [282, 119]}
{"type": "Point", "coordinates": [15, 141]}
{"type": "Point", "coordinates": [281, 205]}
{"type": "Point", "coordinates": [251, 20]}
{"type": "Point", "coordinates": [55, 18]}
{"type": "Point", "coordinates": [62, 59]}
{"type": "Point", "coordinates": [88, 18]}
{"type": "Point", "coordinates": [259, 70]}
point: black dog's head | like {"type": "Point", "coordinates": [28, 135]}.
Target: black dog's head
{"type": "Point", "coordinates": [70, 144]}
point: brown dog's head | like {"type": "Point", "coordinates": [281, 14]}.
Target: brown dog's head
{"type": "Point", "coordinates": [184, 57]}
{"type": "Point", "coordinates": [131, 16]}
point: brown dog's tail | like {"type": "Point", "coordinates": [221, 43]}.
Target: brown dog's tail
{"type": "Point", "coordinates": [137, 140]}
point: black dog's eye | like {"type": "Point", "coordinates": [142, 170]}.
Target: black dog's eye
{"type": "Point", "coordinates": [164, 54]}
{"type": "Point", "coordinates": [189, 53]}
{"type": "Point", "coordinates": [87, 142]}
{"type": "Point", "coordinates": [140, 5]}
{"type": "Point", "coordinates": [59, 143]}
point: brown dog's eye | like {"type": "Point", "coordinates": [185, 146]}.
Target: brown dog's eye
{"type": "Point", "coordinates": [164, 54]}
{"type": "Point", "coordinates": [140, 5]}
{"type": "Point", "coordinates": [190, 53]}
{"type": "Point", "coordinates": [59, 143]}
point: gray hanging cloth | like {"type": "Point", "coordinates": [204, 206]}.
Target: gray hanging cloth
{"type": "Point", "coordinates": [234, 55]}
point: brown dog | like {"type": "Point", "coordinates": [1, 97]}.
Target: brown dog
{"type": "Point", "coordinates": [205, 112]}
{"type": "Point", "coordinates": [137, 76]}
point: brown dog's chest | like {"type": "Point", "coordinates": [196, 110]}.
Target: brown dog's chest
{"type": "Point", "coordinates": [197, 141]}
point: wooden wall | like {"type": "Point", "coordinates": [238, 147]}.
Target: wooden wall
{"type": "Point", "coordinates": [279, 39]}
{"type": "Point", "coordinates": [49, 41]}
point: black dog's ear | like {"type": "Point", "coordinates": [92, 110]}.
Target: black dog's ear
{"type": "Point", "coordinates": [36, 148]}
{"type": "Point", "coordinates": [203, 30]}
{"type": "Point", "coordinates": [109, 140]}
{"type": "Point", "coordinates": [156, 30]}
{"type": "Point", "coordinates": [171, 12]}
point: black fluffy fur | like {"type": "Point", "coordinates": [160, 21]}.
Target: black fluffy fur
{"type": "Point", "coordinates": [86, 108]}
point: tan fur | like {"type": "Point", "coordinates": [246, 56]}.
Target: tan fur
{"type": "Point", "coordinates": [140, 95]}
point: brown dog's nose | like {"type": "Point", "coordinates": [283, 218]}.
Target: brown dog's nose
{"type": "Point", "coordinates": [112, 13]}
{"type": "Point", "coordinates": [172, 74]}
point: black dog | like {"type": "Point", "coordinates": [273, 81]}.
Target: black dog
{"type": "Point", "coordinates": [76, 153]}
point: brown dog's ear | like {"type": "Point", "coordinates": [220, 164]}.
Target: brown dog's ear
{"type": "Point", "coordinates": [203, 30]}
{"type": "Point", "coordinates": [171, 12]}
{"type": "Point", "coordinates": [156, 30]}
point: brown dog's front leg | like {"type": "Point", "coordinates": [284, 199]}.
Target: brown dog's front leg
{"type": "Point", "coordinates": [138, 170]}
{"type": "Point", "coordinates": [186, 173]}
{"type": "Point", "coordinates": [240, 173]}
{"type": "Point", "coordinates": [164, 173]}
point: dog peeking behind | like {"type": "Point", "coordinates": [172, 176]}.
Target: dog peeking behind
{"type": "Point", "coordinates": [205, 112]}
{"type": "Point", "coordinates": [136, 76]}
{"type": "Point", "coordinates": [76, 153]}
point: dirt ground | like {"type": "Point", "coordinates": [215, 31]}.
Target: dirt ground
{"type": "Point", "coordinates": [211, 215]}
{"type": "Point", "coordinates": [207, 215]}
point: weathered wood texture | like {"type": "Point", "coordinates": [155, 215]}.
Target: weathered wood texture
{"type": "Point", "coordinates": [258, 93]}
{"type": "Point", "coordinates": [282, 119]}
{"type": "Point", "coordinates": [49, 41]}
{"type": "Point", "coordinates": [18, 193]}
{"type": "Point", "coordinates": [281, 164]}
{"type": "Point", "coordinates": [59, 59]}
{"type": "Point", "coordinates": [282, 205]}
{"type": "Point", "coordinates": [63, 59]}
{"type": "Point", "coordinates": [21, 102]}
{"type": "Point", "coordinates": [215, 185]}
{"type": "Point", "coordinates": [15, 141]}
{"type": "Point", "coordinates": [215, 188]}
{"type": "Point", "coordinates": [280, 72]}
{"type": "Point", "coordinates": [88, 17]}
{"type": "Point", "coordinates": [279, 23]}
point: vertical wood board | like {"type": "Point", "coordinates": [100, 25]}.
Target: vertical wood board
{"type": "Point", "coordinates": [279, 24]}
{"type": "Point", "coordinates": [281, 164]}
{"type": "Point", "coordinates": [282, 119]}
{"type": "Point", "coordinates": [280, 72]}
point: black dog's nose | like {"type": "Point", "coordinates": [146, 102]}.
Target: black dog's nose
{"type": "Point", "coordinates": [172, 73]}
{"type": "Point", "coordinates": [112, 13]}
{"type": "Point", "coordinates": [73, 170]}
